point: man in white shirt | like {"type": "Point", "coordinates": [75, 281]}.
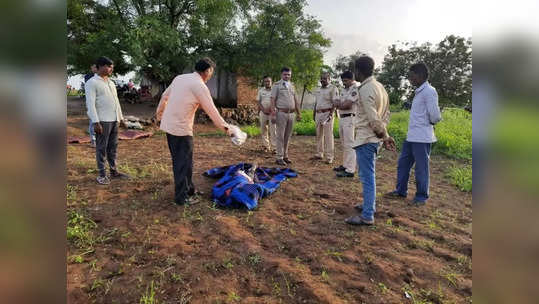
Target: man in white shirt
{"type": "Point", "coordinates": [105, 113]}
{"type": "Point", "coordinates": [424, 114]}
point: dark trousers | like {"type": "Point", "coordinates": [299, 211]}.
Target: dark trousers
{"type": "Point", "coordinates": [181, 150]}
{"type": "Point", "coordinates": [105, 146]}
{"type": "Point", "coordinates": [418, 153]}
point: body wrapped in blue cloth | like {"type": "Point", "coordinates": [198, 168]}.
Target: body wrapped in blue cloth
{"type": "Point", "coordinates": [245, 184]}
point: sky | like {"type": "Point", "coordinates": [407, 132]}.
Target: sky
{"type": "Point", "coordinates": [372, 26]}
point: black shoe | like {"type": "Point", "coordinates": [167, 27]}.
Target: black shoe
{"type": "Point", "coordinates": [280, 162]}
{"type": "Point", "coordinates": [359, 220]}
{"type": "Point", "coordinates": [288, 161]}
{"type": "Point", "coordinates": [119, 175]}
{"type": "Point", "coordinates": [394, 194]}
{"type": "Point", "coordinates": [417, 203]}
{"type": "Point", "coordinates": [339, 168]}
{"type": "Point", "coordinates": [344, 174]}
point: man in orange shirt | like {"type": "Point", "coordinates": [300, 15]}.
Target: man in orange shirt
{"type": "Point", "coordinates": [176, 110]}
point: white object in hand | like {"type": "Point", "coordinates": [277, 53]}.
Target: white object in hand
{"type": "Point", "coordinates": [238, 136]}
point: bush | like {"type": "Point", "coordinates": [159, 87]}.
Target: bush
{"type": "Point", "coordinates": [461, 177]}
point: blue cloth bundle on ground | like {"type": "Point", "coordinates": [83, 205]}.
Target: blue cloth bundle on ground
{"type": "Point", "coordinates": [245, 184]}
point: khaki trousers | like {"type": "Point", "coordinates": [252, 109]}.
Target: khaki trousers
{"type": "Point", "coordinates": [284, 125]}
{"type": "Point", "coordinates": [346, 133]}
{"type": "Point", "coordinates": [324, 140]}
{"type": "Point", "coordinates": [267, 130]}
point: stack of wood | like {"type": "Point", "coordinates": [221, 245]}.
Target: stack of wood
{"type": "Point", "coordinates": [245, 114]}
{"type": "Point", "coordinates": [241, 115]}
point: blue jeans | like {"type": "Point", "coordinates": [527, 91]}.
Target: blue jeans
{"type": "Point", "coordinates": [366, 164]}
{"type": "Point", "coordinates": [91, 131]}
{"type": "Point", "coordinates": [418, 153]}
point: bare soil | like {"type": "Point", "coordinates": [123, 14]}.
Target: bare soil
{"type": "Point", "coordinates": [295, 248]}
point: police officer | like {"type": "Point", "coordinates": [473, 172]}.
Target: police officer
{"type": "Point", "coordinates": [324, 107]}
{"type": "Point", "coordinates": [347, 107]}
{"type": "Point", "coordinates": [267, 126]}
{"type": "Point", "coordinates": [284, 103]}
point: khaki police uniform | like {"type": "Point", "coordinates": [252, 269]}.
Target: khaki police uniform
{"type": "Point", "coordinates": [346, 126]}
{"type": "Point", "coordinates": [285, 102]}
{"type": "Point", "coordinates": [267, 128]}
{"type": "Point", "coordinates": [372, 112]}
{"type": "Point", "coordinates": [325, 98]}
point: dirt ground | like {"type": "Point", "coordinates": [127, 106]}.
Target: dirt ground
{"type": "Point", "coordinates": [295, 248]}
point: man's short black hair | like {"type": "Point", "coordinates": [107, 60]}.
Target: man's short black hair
{"type": "Point", "coordinates": [285, 69]}
{"type": "Point", "coordinates": [365, 65]}
{"type": "Point", "coordinates": [266, 76]}
{"type": "Point", "coordinates": [101, 61]}
{"type": "Point", "coordinates": [204, 64]}
{"type": "Point", "coordinates": [421, 69]}
{"type": "Point", "coordinates": [347, 75]}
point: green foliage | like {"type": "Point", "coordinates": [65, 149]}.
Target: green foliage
{"type": "Point", "coordinates": [345, 63]}
{"type": "Point", "coordinates": [80, 230]}
{"type": "Point", "coordinates": [163, 39]}
{"type": "Point", "coordinates": [280, 26]}
{"type": "Point", "coordinates": [149, 296]}
{"type": "Point", "coordinates": [461, 177]}
{"type": "Point", "coordinates": [454, 132]}
{"type": "Point", "coordinates": [449, 62]}
{"type": "Point", "coordinates": [307, 125]}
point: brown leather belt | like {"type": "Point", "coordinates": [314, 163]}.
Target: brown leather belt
{"type": "Point", "coordinates": [323, 110]}
{"type": "Point", "coordinates": [346, 115]}
{"type": "Point", "coordinates": [285, 110]}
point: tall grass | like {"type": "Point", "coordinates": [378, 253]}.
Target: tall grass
{"type": "Point", "coordinates": [454, 132]}
{"type": "Point", "coordinates": [461, 177]}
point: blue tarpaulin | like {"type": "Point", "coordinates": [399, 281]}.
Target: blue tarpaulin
{"type": "Point", "coordinates": [239, 186]}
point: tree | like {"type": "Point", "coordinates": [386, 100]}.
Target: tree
{"type": "Point", "coordinates": [162, 38]}
{"type": "Point", "coordinates": [449, 62]}
{"type": "Point", "coordinates": [346, 63]}
{"type": "Point", "coordinates": [281, 34]}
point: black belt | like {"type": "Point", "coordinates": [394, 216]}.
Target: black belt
{"type": "Point", "coordinates": [346, 115]}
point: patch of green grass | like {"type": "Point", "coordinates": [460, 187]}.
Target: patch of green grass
{"type": "Point", "coordinates": [335, 254]}
{"type": "Point", "coordinates": [461, 177]}
{"type": "Point", "coordinates": [451, 276]}
{"type": "Point", "coordinates": [254, 259]}
{"type": "Point", "coordinates": [383, 288]}
{"type": "Point", "coordinates": [251, 130]}
{"type": "Point", "coordinates": [71, 193]}
{"type": "Point", "coordinates": [233, 297]}
{"type": "Point", "coordinates": [325, 276]}
{"type": "Point", "coordinates": [80, 230]}
{"type": "Point", "coordinates": [454, 132]}
{"type": "Point", "coordinates": [211, 134]}
{"type": "Point", "coordinates": [148, 297]}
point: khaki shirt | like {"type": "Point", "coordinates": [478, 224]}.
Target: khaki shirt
{"type": "Point", "coordinates": [285, 95]}
{"type": "Point", "coordinates": [325, 97]}
{"type": "Point", "coordinates": [350, 94]}
{"type": "Point", "coordinates": [264, 98]}
{"type": "Point", "coordinates": [372, 112]}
